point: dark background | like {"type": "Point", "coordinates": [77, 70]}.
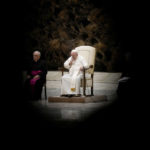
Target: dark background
{"type": "Point", "coordinates": [56, 26]}
{"type": "Point", "coordinates": [119, 36]}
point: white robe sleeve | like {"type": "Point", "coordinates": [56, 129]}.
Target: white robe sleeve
{"type": "Point", "coordinates": [66, 64]}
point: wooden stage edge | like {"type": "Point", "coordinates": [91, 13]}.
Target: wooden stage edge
{"type": "Point", "coordinates": [82, 99]}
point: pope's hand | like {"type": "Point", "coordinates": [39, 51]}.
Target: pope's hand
{"type": "Point", "coordinates": [81, 68]}
{"type": "Point", "coordinates": [71, 62]}
{"type": "Point", "coordinates": [35, 77]}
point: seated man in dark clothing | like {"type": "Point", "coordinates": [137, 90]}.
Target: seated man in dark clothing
{"type": "Point", "coordinates": [36, 77]}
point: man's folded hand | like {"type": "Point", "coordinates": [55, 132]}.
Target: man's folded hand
{"type": "Point", "coordinates": [35, 77]}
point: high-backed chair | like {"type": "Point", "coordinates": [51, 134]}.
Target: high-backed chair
{"type": "Point", "coordinates": [89, 53]}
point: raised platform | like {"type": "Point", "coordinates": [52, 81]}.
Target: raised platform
{"type": "Point", "coordinates": [99, 77]}
{"type": "Point", "coordinates": [105, 83]}
{"type": "Point", "coordinates": [82, 99]}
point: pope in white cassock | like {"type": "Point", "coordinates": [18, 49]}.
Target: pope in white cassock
{"type": "Point", "coordinates": [70, 83]}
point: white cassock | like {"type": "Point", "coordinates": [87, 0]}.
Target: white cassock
{"type": "Point", "coordinates": [70, 83]}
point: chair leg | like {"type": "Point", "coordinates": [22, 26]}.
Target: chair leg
{"type": "Point", "coordinates": [92, 86]}
{"type": "Point", "coordinates": [45, 92]}
{"type": "Point", "coordinates": [84, 83]}
{"type": "Point", "coordinates": [92, 91]}
{"type": "Point", "coordinates": [84, 93]}
{"type": "Point", "coordinates": [84, 88]}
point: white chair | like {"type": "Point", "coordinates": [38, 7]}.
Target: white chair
{"type": "Point", "coordinates": [89, 53]}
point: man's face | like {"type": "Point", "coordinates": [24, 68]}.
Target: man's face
{"type": "Point", "coordinates": [74, 55]}
{"type": "Point", "coordinates": [36, 56]}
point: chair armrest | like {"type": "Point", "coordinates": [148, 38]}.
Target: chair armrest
{"type": "Point", "coordinates": [85, 69]}
{"type": "Point", "coordinates": [62, 69]}
{"type": "Point", "coordinates": [91, 66]}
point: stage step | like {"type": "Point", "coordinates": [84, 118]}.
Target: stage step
{"type": "Point", "coordinates": [82, 99]}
